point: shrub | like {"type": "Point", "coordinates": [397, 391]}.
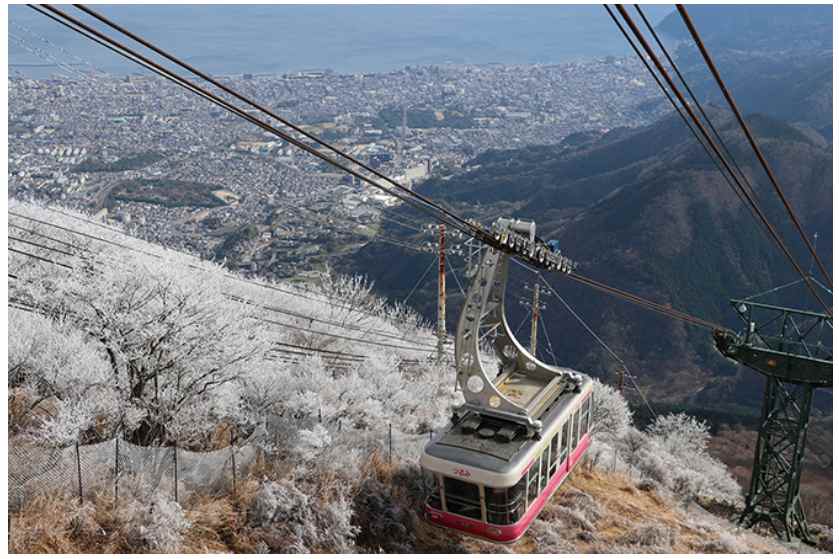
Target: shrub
{"type": "Point", "coordinates": [611, 416]}
{"type": "Point", "coordinates": [293, 521]}
{"type": "Point", "coordinates": [156, 526]}
{"type": "Point", "coordinates": [724, 542]}
{"type": "Point", "coordinates": [652, 537]}
{"type": "Point", "coordinates": [549, 538]}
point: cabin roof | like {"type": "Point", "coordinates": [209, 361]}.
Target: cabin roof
{"type": "Point", "coordinates": [471, 448]}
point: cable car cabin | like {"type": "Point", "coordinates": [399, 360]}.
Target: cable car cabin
{"type": "Point", "coordinates": [484, 482]}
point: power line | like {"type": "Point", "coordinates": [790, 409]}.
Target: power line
{"type": "Point", "coordinates": [600, 341]}
{"type": "Point", "coordinates": [36, 257]}
{"type": "Point", "coordinates": [778, 240]}
{"type": "Point", "coordinates": [425, 203]}
{"type": "Point", "coordinates": [681, 114]}
{"type": "Point", "coordinates": [747, 131]}
{"type": "Point", "coordinates": [157, 255]}
{"type": "Point", "coordinates": [241, 299]}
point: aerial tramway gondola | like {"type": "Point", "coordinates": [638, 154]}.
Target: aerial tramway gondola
{"type": "Point", "coordinates": [519, 435]}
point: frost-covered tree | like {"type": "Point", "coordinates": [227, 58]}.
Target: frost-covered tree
{"type": "Point", "coordinates": [682, 441]}
{"type": "Point", "coordinates": [610, 414]}
{"type": "Point", "coordinates": [59, 382]}
{"type": "Point", "coordinates": [173, 342]}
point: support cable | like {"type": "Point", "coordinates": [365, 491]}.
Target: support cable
{"type": "Point", "coordinates": [679, 111]}
{"type": "Point", "coordinates": [410, 198]}
{"type": "Point", "coordinates": [273, 115]}
{"type": "Point", "coordinates": [696, 102]}
{"type": "Point", "coordinates": [456, 280]}
{"type": "Point", "coordinates": [778, 240]}
{"type": "Point", "coordinates": [419, 281]}
{"type": "Point", "coordinates": [600, 341]}
{"type": "Point", "coordinates": [747, 131]}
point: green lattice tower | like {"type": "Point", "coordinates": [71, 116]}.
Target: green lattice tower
{"type": "Point", "coordinates": [791, 348]}
{"type": "Point", "coordinates": [774, 492]}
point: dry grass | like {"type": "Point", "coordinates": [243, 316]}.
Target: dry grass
{"type": "Point", "coordinates": [626, 511]}
{"type": "Point", "coordinates": [613, 513]}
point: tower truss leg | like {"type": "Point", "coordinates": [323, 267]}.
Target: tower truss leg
{"type": "Point", "coordinates": [774, 496]}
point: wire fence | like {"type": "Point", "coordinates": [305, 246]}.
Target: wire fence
{"type": "Point", "coordinates": [122, 469]}
{"type": "Point", "coordinates": [127, 471]}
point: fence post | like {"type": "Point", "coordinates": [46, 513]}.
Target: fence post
{"type": "Point", "coordinates": [79, 472]}
{"type": "Point", "coordinates": [233, 460]}
{"type": "Point", "coordinates": [389, 443]}
{"type": "Point", "coordinates": [116, 469]}
{"type": "Point", "coordinates": [175, 459]}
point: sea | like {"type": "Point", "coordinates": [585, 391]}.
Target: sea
{"type": "Point", "coordinates": [275, 39]}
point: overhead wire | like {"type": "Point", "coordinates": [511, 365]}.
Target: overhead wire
{"type": "Point", "coordinates": [753, 203]}
{"type": "Point", "coordinates": [600, 341]}
{"type": "Point", "coordinates": [418, 347]}
{"type": "Point", "coordinates": [426, 201]}
{"type": "Point", "coordinates": [751, 139]}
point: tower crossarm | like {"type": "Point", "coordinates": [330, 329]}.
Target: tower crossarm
{"type": "Point", "coordinates": [789, 344]}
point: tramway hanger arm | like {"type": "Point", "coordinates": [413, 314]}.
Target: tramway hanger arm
{"type": "Point", "coordinates": [522, 387]}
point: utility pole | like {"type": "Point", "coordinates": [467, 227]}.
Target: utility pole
{"type": "Point", "coordinates": [621, 372]}
{"type": "Point", "coordinates": [534, 319]}
{"type": "Point", "coordinates": [441, 293]}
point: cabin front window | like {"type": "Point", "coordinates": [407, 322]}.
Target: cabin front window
{"type": "Point", "coordinates": [462, 498]}
{"type": "Point", "coordinates": [505, 505]}
{"type": "Point", "coordinates": [431, 484]}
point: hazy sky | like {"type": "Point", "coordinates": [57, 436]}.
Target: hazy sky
{"type": "Point", "coordinates": [280, 38]}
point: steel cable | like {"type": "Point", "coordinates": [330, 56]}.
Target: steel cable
{"type": "Point", "coordinates": [747, 131]}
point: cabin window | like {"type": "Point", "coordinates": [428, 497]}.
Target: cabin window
{"type": "Point", "coordinates": [575, 430]}
{"type": "Point", "coordinates": [586, 416]}
{"type": "Point", "coordinates": [518, 502]}
{"type": "Point", "coordinates": [533, 482]}
{"type": "Point", "coordinates": [554, 453]}
{"type": "Point", "coordinates": [462, 497]}
{"type": "Point", "coordinates": [505, 505]}
{"type": "Point", "coordinates": [543, 479]}
{"type": "Point", "coordinates": [563, 444]}
{"type": "Point", "coordinates": [497, 505]}
{"type": "Point", "coordinates": [432, 489]}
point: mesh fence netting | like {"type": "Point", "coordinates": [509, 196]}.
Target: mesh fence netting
{"type": "Point", "coordinates": [124, 470]}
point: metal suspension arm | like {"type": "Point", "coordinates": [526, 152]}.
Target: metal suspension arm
{"type": "Point", "coordinates": [522, 386]}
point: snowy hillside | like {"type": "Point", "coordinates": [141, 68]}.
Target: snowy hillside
{"type": "Point", "coordinates": [115, 339]}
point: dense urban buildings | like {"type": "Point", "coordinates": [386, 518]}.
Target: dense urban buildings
{"type": "Point", "coordinates": [185, 173]}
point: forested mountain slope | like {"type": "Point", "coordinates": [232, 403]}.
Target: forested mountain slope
{"type": "Point", "coordinates": [644, 210]}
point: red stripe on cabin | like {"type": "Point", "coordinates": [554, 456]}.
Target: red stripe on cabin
{"type": "Point", "coordinates": [510, 532]}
